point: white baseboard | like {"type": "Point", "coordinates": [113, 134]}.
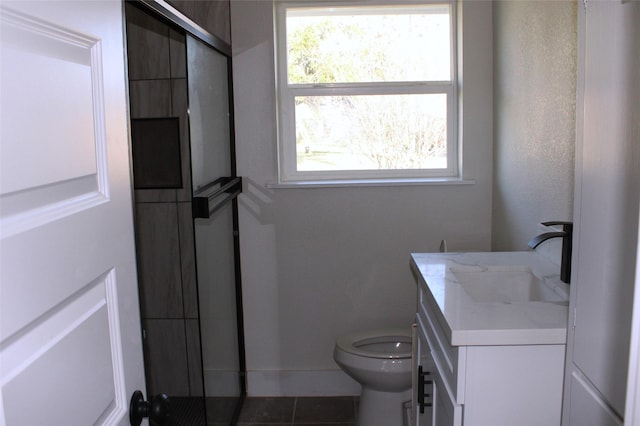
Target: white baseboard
{"type": "Point", "coordinates": [301, 383]}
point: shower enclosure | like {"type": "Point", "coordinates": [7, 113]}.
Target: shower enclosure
{"type": "Point", "coordinates": [215, 212]}
{"type": "Point", "coordinates": [186, 213]}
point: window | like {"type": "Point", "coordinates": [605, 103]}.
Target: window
{"type": "Point", "coordinates": [366, 91]}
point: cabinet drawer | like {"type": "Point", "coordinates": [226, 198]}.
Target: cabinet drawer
{"type": "Point", "coordinates": [449, 359]}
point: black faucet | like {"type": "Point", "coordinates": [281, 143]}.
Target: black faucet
{"type": "Point", "coordinates": [567, 240]}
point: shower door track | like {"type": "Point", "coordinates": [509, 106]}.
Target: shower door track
{"type": "Point", "coordinates": [170, 13]}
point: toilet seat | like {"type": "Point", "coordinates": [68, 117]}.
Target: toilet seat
{"type": "Point", "coordinates": [378, 343]}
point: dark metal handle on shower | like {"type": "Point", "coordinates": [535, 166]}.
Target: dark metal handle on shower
{"type": "Point", "coordinates": [208, 199]}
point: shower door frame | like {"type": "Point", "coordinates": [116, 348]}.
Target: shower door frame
{"type": "Point", "coordinates": [165, 12]}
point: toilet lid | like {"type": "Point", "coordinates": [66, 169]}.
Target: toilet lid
{"type": "Point", "coordinates": [388, 343]}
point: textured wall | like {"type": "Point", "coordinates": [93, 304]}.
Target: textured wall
{"type": "Point", "coordinates": [534, 117]}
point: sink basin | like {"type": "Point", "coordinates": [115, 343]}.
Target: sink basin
{"type": "Point", "coordinates": [515, 284]}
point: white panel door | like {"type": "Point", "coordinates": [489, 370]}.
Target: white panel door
{"type": "Point", "coordinates": [70, 342]}
{"type": "Point", "coordinates": [606, 216]}
{"type": "Point", "coordinates": [588, 408]}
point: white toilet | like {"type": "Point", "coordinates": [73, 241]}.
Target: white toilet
{"type": "Point", "coordinates": [380, 360]}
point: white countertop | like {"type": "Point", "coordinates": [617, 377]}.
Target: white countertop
{"type": "Point", "coordinates": [469, 322]}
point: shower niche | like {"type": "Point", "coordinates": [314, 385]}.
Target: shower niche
{"type": "Point", "coordinates": [186, 214]}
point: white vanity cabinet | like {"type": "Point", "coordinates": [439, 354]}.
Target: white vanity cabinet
{"type": "Point", "coordinates": [488, 376]}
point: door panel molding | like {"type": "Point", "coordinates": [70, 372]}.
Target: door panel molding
{"type": "Point", "coordinates": [65, 67]}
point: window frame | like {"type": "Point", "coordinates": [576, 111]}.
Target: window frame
{"type": "Point", "coordinates": [286, 94]}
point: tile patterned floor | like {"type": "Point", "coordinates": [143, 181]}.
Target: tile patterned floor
{"type": "Point", "coordinates": [285, 411]}
{"type": "Point", "coordinates": [299, 411]}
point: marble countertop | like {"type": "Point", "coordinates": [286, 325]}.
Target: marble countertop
{"type": "Point", "coordinates": [466, 321]}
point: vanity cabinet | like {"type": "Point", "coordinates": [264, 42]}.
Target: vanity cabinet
{"type": "Point", "coordinates": [479, 382]}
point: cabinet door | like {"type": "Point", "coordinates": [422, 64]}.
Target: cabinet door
{"type": "Point", "coordinates": [441, 410]}
{"type": "Point", "coordinates": [424, 362]}
{"type": "Point", "coordinates": [445, 411]}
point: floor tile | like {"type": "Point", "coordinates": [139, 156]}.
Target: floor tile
{"type": "Point", "coordinates": [264, 424]}
{"type": "Point", "coordinates": [185, 411]}
{"type": "Point", "coordinates": [266, 410]}
{"type": "Point", "coordinates": [313, 410]}
{"type": "Point", "coordinates": [261, 424]}
{"type": "Point", "coordinates": [220, 410]}
{"type": "Point", "coordinates": [324, 424]}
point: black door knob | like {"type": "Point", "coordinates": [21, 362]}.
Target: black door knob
{"type": "Point", "coordinates": [157, 409]}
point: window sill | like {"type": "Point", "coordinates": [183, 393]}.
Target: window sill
{"type": "Point", "coordinates": [371, 182]}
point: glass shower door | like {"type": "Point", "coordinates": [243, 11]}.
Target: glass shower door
{"type": "Point", "coordinates": [215, 187]}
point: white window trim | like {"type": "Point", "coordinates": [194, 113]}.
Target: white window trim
{"type": "Point", "coordinates": [287, 158]}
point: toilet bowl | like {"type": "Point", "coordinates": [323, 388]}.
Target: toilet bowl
{"type": "Point", "coordinates": [380, 360]}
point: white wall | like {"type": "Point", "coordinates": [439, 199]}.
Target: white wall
{"type": "Point", "coordinates": [317, 263]}
{"type": "Point", "coordinates": [534, 117]}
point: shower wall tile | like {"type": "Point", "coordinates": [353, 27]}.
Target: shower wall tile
{"type": "Point", "coordinates": [150, 98]}
{"type": "Point", "coordinates": [179, 108]}
{"type": "Point", "coordinates": [165, 349]}
{"type": "Point", "coordinates": [178, 54]}
{"type": "Point", "coordinates": [188, 261]}
{"type": "Point", "coordinates": [155, 195]}
{"type": "Point", "coordinates": [148, 45]}
{"type": "Point", "coordinates": [159, 272]}
{"type": "Point", "coordinates": [194, 357]}
{"type": "Point", "coordinates": [220, 19]}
